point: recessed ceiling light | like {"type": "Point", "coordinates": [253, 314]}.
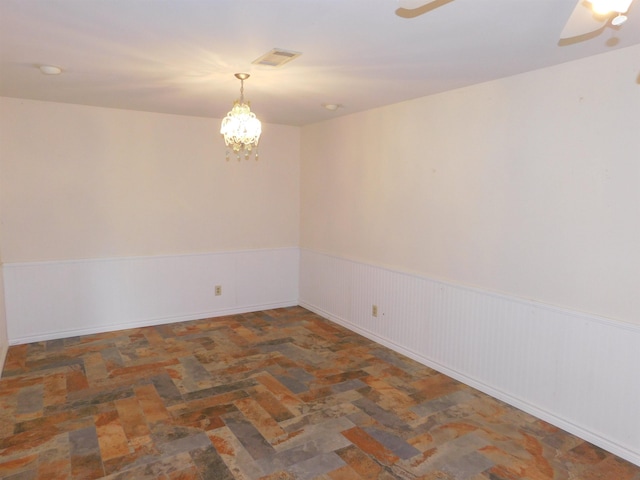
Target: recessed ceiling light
{"type": "Point", "coordinates": [331, 106]}
{"type": "Point", "coordinates": [50, 70]}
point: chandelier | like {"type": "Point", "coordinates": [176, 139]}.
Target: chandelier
{"type": "Point", "coordinates": [240, 128]}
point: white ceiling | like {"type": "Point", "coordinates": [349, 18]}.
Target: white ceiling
{"type": "Point", "coordinates": [179, 56]}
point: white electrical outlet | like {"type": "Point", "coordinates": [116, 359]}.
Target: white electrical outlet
{"type": "Point", "coordinates": [218, 290]}
{"type": "Point", "coordinates": [374, 310]}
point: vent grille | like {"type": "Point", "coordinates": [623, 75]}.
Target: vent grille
{"type": "Point", "coordinates": [276, 57]}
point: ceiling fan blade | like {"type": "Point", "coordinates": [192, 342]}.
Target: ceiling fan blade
{"type": "Point", "coordinates": [582, 22]}
{"type": "Point", "coordinates": [415, 8]}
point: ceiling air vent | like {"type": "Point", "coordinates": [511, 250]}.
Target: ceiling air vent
{"type": "Point", "coordinates": [276, 57]}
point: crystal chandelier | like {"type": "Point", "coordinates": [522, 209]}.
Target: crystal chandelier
{"type": "Point", "coordinates": [240, 128]}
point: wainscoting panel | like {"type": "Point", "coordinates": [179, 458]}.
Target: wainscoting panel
{"type": "Point", "coordinates": [46, 300]}
{"type": "Point", "coordinates": [579, 372]}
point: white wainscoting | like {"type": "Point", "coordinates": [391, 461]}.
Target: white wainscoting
{"type": "Point", "coordinates": [579, 372]}
{"type": "Point", "coordinates": [47, 300]}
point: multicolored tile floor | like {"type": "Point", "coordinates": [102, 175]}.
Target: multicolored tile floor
{"type": "Point", "coordinates": [281, 394]}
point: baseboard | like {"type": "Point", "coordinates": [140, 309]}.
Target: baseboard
{"type": "Point", "coordinates": [575, 370]}
{"type": "Point", "coordinates": [4, 349]}
{"type": "Point", "coordinates": [150, 322]}
{"type": "Point", "coordinates": [519, 403]}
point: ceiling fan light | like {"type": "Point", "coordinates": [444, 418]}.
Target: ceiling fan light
{"type": "Point", "coordinates": [605, 7]}
{"type": "Point", "coordinates": [618, 20]}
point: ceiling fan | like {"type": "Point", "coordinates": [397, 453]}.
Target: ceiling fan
{"type": "Point", "coordinates": [588, 19]}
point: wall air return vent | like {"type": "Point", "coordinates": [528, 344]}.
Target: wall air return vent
{"type": "Point", "coordinates": [276, 57]}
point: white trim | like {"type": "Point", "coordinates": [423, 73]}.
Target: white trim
{"type": "Point", "coordinates": [489, 293]}
{"type": "Point", "coordinates": [4, 349]}
{"type": "Point", "coordinates": [151, 322]}
{"type": "Point", "coordinates": [38, 263]}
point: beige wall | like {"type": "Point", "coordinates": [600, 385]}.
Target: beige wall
{"type": "Point", "coordinates": [4, 334]}
{"type": "Point", "coordinates": [528, 186]}
{"type": "Point", "coordinates": [4, 338]}
{"type": "Point", "coordinates": [86, 182]}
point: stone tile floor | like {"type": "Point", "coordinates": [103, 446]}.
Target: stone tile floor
{"type": "Point", "coordinates": [281, 394]}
